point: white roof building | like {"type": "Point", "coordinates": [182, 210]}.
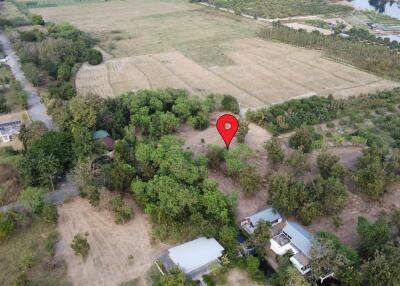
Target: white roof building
{"type": "Point", "coordinates": [194, 257]}
{"type": "Point", "coordinates": [9, 129]}
{"type": "Point", "coordinates": [295, 238]}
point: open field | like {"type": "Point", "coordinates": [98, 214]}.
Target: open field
{"type": "Point", "coordinates": [137, 27]}
{"type": "Point", "coordinates": [110, 246]}
{"type": "Point", "coordinates": [9, 11]}
{"type": "Point", "coordinates": [263, 73]}
{"type": "Point", "coordinates": [30, 243]}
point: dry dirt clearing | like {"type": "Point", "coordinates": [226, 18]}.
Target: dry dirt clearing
{"type": "Point", "coordinates": [237, 277]}
{"type": "Point", "coordinates": [197, 141]}
{"type": "Point", "coordinates": [263, 73]}
{"type": "Point", "coordinates": [110, 245]}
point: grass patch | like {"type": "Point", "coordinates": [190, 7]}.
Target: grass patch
{"type": "Point", "coordinates": [12, 90]}
{"type": "Point", "coordinates": [318, 24]}
{"type": "Point", "coordinates": [28, 248]}
{"type": "Point", "coordinates": [54, 3]}
{"type": "Point", "coordinates": [381, 18]}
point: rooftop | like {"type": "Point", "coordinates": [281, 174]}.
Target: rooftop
{"type": "Point", "coordinates": [100, 134]}
{"type": "Point", "coordinates": [300, 237]}
{"type": "Point", "coordinates": [196, 253]}
{"type": "Point", "coordinates": [268, 215]}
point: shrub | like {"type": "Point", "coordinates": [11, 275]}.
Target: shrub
{"type": "Point", "coordinates": [230, 103]}
{"type": "Point", "coordinates": [37, 19]}
{"type": "Point", "coordinates": [95, 57]}
{"type": "Point", "coordinates": [250, 180]}
{"type": "Point", "coordinates": [304, 136]}
{"type": "Point", "coordinates": [122, 213]}
{"type": "Point", "coordinates": [208, 280]}
{"type": "Point", "coordinates": [80, 246]}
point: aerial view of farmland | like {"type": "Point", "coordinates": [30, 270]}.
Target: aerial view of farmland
{"type": "Point", "coordinates": [199, 142]}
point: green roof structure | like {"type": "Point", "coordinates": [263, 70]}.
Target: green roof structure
{"type": "Point", "coordinates": [100, 134]}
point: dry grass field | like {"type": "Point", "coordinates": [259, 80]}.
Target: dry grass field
{"type": "Point", "coordinates": [172, 43]}
{"type": "Point", "coordinates": [108, 262]}
{"type": "Point", "coordinates": [9, 11]}
{"type": "Point", "coordinates": [263, 73]}
{"type": "Point", "coordinates": [138, 27]}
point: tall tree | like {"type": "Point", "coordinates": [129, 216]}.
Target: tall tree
{"type": "Point", "coordinates": [274, 151]}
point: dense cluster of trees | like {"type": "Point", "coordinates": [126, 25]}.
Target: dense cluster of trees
{"type": "Point", "coordinates": [278, 9]}
{"type": "Point", "coordinates": [292, 114]}
{"type": "Point", "coordinates": [54, 53]}
{"type": "Point", "coordinates": [375, 171]}
{"type": "Point", "coordinates": [358, 34]}
{"type": "Point", "coordinates": [287, 116]}
{"type": "Point", "coordinates": [373, 58]}
{"type": "Point", "coordinates": [174, 190]}
{"type": "Point", "coordinates": [235, 163]}
{"type": "Point", "coordinates": [324, 195]}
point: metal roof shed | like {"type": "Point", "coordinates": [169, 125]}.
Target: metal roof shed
{"type": "Point", "coordinates": [299, 237]}
{"type": "Point", "coordinates": [268, 215]}
{"type": "Point", "coordinates": [196, 254]}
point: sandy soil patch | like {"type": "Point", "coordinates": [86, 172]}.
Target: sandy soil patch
{"type": "Point", "coordinates": [110, 245]}
{"type": "Point", "coordinates": [197, 141]}
{"type": "Point", "coordinates": [237, 277]}
{"type": "Point", "coordinates": [264, 73]}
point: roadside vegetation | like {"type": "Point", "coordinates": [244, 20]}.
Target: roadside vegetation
{"type": "Point", "coordinates": [280, 9]}
{"type": "Point", "coordinates": [12, 97]}
{"type": "Point", "coordinates": [380, 18]}
{"type": "Point", "coordinates": [377, 59]}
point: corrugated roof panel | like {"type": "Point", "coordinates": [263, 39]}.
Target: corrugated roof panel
{"type": "Point", "coordinates": [268, 215]}
{"type": "Point", "coordinates": [300, 237]}
{"type": "Point", "coordinates": [196, 253]}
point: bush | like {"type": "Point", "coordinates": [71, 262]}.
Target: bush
{"type": "Point", "coordinates": [250, 180]}
{"type": "Point", "coordinates": [208, 280]}
{"type": "Point", "coordinates": [230, 103]}
{"type": "Point", "coordinates": [37, 19]}
{"type": "Point", "coordinates": [8, 223]}
{"type": "Point", "coordinates": [80, 246]}
{"type": "Point", "coordinates": [215, 155]}
{"type": "Point", "coordinates": [95, 57]}
{"type": "Point", "coordinates": [304, 136]}
{"type": "Point", "coordinates": [122, 213]}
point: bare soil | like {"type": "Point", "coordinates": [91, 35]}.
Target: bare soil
{"type": "Point", "coordinates": [108, 262]}
{"type": "Point", "coordinates": [238, 277]}
{"type": "Point", "coordinates": [261, 73]}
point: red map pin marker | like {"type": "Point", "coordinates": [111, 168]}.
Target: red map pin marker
{"type": "Point", "coordinates": [227, 126]}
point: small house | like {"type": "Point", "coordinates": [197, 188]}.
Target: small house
{"type": "Point", "coordinates": [9, 129]}
{"type": "Point", "coordinates": [269, 215]}
{"type": "Point", "coordinates": [104, 137]}
{"type": "Point", "coordinates": [194, 258]}
{"type": "Point", "coordinates": [295, 238]}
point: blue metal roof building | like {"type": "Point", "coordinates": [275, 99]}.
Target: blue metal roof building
{"type": "Point", "coordinates": [299, 237]}
{"type": "Point", "coordinates": [268, 215]}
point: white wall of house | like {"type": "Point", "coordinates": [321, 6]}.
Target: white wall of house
{"type": "Point", "coordinates": [299, 266]}
{"type": "Point", "coordinates": [281, 250]}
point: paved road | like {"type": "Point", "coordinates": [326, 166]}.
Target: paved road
{"type": "Point", "coordinates": [65, 191]}
{"type": "Point", "coordinates": [36, 110]}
